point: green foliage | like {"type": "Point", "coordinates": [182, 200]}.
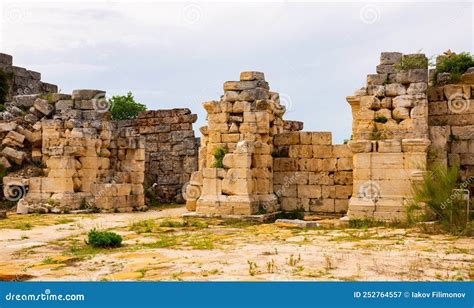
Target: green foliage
{"type": "Point", "coordinates": [103, 239]}
{"type": "Point", "coordinates": [125, 107]}
{"type": "Point", "coordinates": [381, 119]}
{"type": "Point", "coordinates": [172, 224]}
{"type": "Point", "coordinates": [219, 154]}
{"type": "Point", "coordinates": [365, 223]}
{"type": "Point", "coordinates": [3, 86]}
{"type": "Point", "coordinates": [442, 204]}
{"type": "Point", "coordinates": [455, 64]}
{"type": "Point", "coordinates": [412, 62]}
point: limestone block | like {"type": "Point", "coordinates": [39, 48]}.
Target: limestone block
{"type": "Point", "coordinates": [341, 205]}
{"type": "Point", "coordinates": [327, 164]}
{"type": "Point", "coordinates": [212, 107]}
{"type": "Point", "coordinates": [243, 160]}
{"type": "Point", "coordinates": [322, 206]}
{"type": "Point", "coordinates": [231, 96]}
{"type": "Point", "coordinates": [417, 88]}
{"type": "Point", "coordinates": [378, 160]}
{"type": "Point", "coordinates": [291, 204]}
{"type": "Point", "coordinates": [211, 186]}
{"type": "Point", "coordinates": [321, 138]}
{"type": "Point", "coordinates": [415, 160]}
{"type": "Point", "coordinates": [253, 94]}
{"type": "Point", "coordinates": [360, 146]}
{"type": "Point", "coordinates": [86, 94]}
{"type": "Point", "coordinates": [322, 151]}
{"type": "Point", "coordinates": [262, 161]}
{"type": "Point", "coordinates": [308, 164]}
{"type": "Point", "coordinates": [468, 77]}
{"type": "Point", "coordinates": [290, 190]}
{"type": "Point", "coordinates": [467, 159]}
{"type": "Point", "coordinates": [237, 173]}
{"type": "Point", "coordinates": [244, 85]}
{"type": "Point", "coordinates": [395, 89]}
{"type": "Point", "coordinates": [291, 138]}
{"type": "Point", "coordinates": [263, 186]}
{"type": "Point", "coordinates": [137, 177]}
{"type": "Point", "coordinates": [309, 191]}
{"type": "Point", "coordinates": [415, 145]}
{"type": "Point", "coordinates": [342, 178]}
{"type": "Point", "coordinates": [390, 57]}
{"type": "Point", "coordinates": [452, 91]}
{"type": "Point", "coordinates": [343, 191]}
{"type": "Point", "coordinates": [385, 113]}
{"type": "Point", "coordinates": [376, 90]}
{"type": "Point", "coordinates": [125, 165]}
{"type": "Point", "coordinates": [62, 173]}
{"type": "Point", "coordinates": [264, 173]}
{"type": "Point", "coordinates": [341, 150]}
{"type": "Point", "coordinates": [301, 151]}
{"type": "Point", "coordinates": [43, 106]}
{"type": "Point", "coordinates": [376, 79]}
{"type": "Point", "coordinates": [241, 106]}
{"type": "Point", "coordinates": [56, 185]}
{"type": "Point", "coordinates": [454, 159]}
{"type": "Point", "coordinates": [413, 75]}
{"type": "Point", "coordinates": [328, 192]}
{"type": "Point", "coordinates": [4, 162]}
{"type": "Point", "coordinates": [14, 155]}
{"type": "Point", "coordinates": [385, 69]}
{"type": "Point", "coordinates": [7, 127]}
{"type": "Point", "coordinates": [251, 75]}
{"type": "Point", "coordinates": [322, 178]}
{"type": "Point", "coordinates": [406, 101]}
{"type": "Point", "coordinates": [344, 164]}
{"type": "Point", "coordinates": [401, 113]}
{"type": "Point", "coordinates": [389, 146]}
{"type": "Point", "coordinates": [285, 164]}
{"type": "Point", "coordinates": [463, 132]}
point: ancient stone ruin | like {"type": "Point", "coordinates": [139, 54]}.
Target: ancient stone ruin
{"type": "Point", "coordinates": [64, 153]}
{"type": "Point", "coordinates": [401, 123]}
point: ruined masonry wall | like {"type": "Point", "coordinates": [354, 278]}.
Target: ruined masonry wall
{"type": "Point", "coordinates": [171, 150]}
{"type": "Point", "coordinates": [23, 81]}
{"type": "Point", "coordinates": [451, 120]}
{"type": "Point", "coordinates": [311, 174]}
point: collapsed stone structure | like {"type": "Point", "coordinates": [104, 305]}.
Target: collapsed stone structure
{"type": "Point", "coordinates": [401, 124]}
{"type": "Point", "coordinates": [22, 81]}
{"type": "Point", "coordinates": [250, 159]}
{"type": "Point", "coordinates": [170, 151]}
{"type": "Point", "coordinates": [63, 152]}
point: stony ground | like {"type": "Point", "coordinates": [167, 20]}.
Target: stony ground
{"type": "Point", "coordinates": [160, 245]}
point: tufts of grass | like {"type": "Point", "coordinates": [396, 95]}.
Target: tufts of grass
{"type": "Point", "coordinates": [163, 241]}
{"type": "Point", "coordinates": [144, 226]}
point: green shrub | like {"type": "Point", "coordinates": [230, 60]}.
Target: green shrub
{"type": "Point", "coordinates": [442, 203]}
{"type": "Point", "coordinates": [455, 64]}
{"type": "Point", "coordinates": [410, 62]}
{"type": "Point", "coordinates": [125, 107]}
{"type": "Point", "coordinates": [3, 86]}
{"type": "Point", "coordinates": [381, 119]}
{"type": "Point", "coordinates": [103, 239]}
{"type": "Point", "coordinates": [219, 154]}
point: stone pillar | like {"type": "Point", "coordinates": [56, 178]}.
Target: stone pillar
{"type": "Point", "coordinates": [235, 158]}
{"type": "Point", "coordinates": [390, 137]}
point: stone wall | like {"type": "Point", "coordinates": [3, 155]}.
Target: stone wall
{"type": "Point", "coordinates": [171, 151]}
{"type": "Point", "coordinates": [23, 81]}
{"type": "Point", "coordinates": [81, 159]}
{"type": "Point", "coordinates": [235, 158]}
{"type": "Point", "coordinates": [451, 120]}
{"type": "Point", "coordinates": [390, 137]}
{"type": "Point", "coordinates": [310, 173]}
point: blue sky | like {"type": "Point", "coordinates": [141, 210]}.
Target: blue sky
{"type": "Point", "coordinates": [178, 54]}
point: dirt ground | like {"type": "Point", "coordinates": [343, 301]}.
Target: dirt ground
{"type": "Point", "coordinates": [161, 245]}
